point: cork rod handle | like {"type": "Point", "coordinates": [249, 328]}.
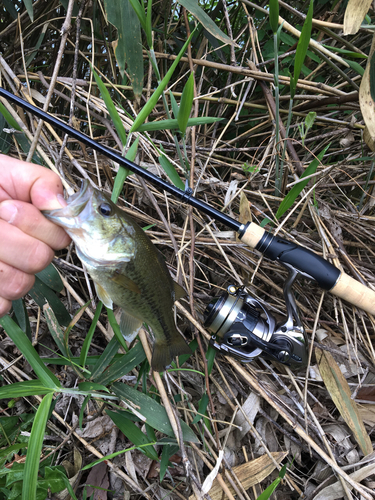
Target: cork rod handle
{"type": "Point", "coordinates": [311, 264]}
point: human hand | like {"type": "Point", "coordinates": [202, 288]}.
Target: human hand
{"type": "Point", "coordinates": [27, 239]}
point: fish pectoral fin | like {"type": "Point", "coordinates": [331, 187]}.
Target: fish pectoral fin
{"type": "Point", "coordinates": [179, 292]}
{"type": "Point", "coordinates": [125, 282]}
{"type": "Point", "coordinates": [103, 296]}
{"type": "Point", "coordinates": [129, 326]}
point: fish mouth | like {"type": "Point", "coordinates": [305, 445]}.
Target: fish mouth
{"type": "Point", "coordinates": [76, 203]}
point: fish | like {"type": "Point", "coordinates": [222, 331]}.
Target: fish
{"type": "Point", "coordinates": [126, 268]}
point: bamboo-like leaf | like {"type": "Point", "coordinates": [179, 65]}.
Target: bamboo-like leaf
{"type": "Point", "coordinates": [42, 294]}
{"type": "Point", "coordinates": [366, 101]}
{"type": "Point", "coordinates": [29, 8]}
{"type": "Point", "coordinates": [297, 188]}
{"type": "Point", "coordinates": [129, 45]}
{"type": "Point", "coordinates": [9, 118]}
{"type": "Point", "coordinates": [172, 124]}
{"type": "Point", "coordinates": [22, 317]}
{"type": "Point", "coordinates": [355, 13]}
{"type": "Point", "coordinates": [186, 104]}
{"type": "Point", "coordinates": [133, 433]}
{"type": "Point", "coordinates": [46, 377]}
{"type": "Point", "coordinates": [194, 9]}
{"type": "Point", "coordinates": [140, 11]}
{"type": "Point", "coordinates": [123, 365]}
{"type": "Point", "coordinates": [155, 414]}
{"type": "Point", "coordinates": [170, 170]}
{"type": "Point", "coordinates": [24, 389]}
{"type": "Point", "coordinates": [105, 359]}
{"type": "Point", "coordinates": [149, 24]}
{"type": "Point", "coordinates": [146, 110]}
{"type": "Point", "coordinates": [124, 172]}
{"type": "Point", "coordinates": [88, 338]}
{"type": "Point", "coordinates": [34, 449]}
{"type": "Point", "coordinates": [55, 330]}
{"type": "Point", "coordinates": [302, 46]}
{"type": "Point", "coordinates": [51, 277]}
{"type": "Point", "coordinates": [111, 108]}
{"type": "Point", "coordinates": [274, 15]}
{"type": "Point", "coordinates": [340, 393]}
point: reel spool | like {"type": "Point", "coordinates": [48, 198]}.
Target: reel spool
{"type": "Point", "coordinates": [243, 327]}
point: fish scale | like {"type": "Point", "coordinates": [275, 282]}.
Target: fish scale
{"type": "Point", "coordinates": [126, 268]}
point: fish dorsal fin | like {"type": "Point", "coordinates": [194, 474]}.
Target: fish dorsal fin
{"type": "Point", "coordinates": [129, 326]}
{"type": "Point", "coordinates": [125, 282]}
{"type": "Point", "coordinates": [103, 296]}
{"type": "Point", "coordinates": [179, 292]}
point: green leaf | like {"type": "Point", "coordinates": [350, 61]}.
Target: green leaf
{"type": "Point", "coordinates": [122, 366]}
{"type": "Point", "coordinates": [210, 356]}
{"type": "Point", "coordinates": [34, 449]}
{"type": "Point", "coordinates": [51, 277]}
{"type": "Point", "coordinates": [133, 433]}
{"type": "Point", "coordinates": [149, 24]}
{"type": "Point", "coordinates": [303, 44]}
{"type": "Point", "coordinates": [155, 414]}
{"type": "Point", "coordinates": [309, 120]}
{"type": "Point", "coordinates": [116, 329]}
{"type": "Point", "coordinates": [124, 172]}
{"type": "Point", "coordinates": [175, 107]}
{"type": "Point", "coordinates": [297, 188]}
{"type": "Point", "coordinates": [29, 8]}
{"type": "Point", "coordinates": [170, 170]}
{"type": "Point", "coordinates": [10, 8]}
{"type": "Point", "coordinates": [9, 118]}
{"type": "Point", "coordinates": [129, 45]}
{"type": "Point", "coordinates": [105, 359]}
{"type": "Point", "coordinates": [22, 317]}
{"type": "Point", "coordinates": [140, 11]}
{"type": "Point", "coordinates": [274, 15]}
{"type": "Point", "coordinates": [194, 9]}
{"type": "Point", "coordinates": [42, 294]}
{"type": "Point", "coordinates": [24, 389]}
{"type": "Point", "coordinates": [186, 104]}
{"type": "Point", "coordinates": [91, 386]}
{"type": "Point", "coordinates": [357, 67]}
{"type": "Point", "coordinates": [147, 109]}
{"type": "Point", "coordinates": [88, 338]}
{"type": "Point", "coordinates": [172, 124]}
{"type": "Point", "coordinates": [202, 409]}
{"type": "Point", "coordinates": [111, 108]}
{"type": "Point", "coordinates": [268, 491]}
{"type": "Point", "coordinates": [46, 377]}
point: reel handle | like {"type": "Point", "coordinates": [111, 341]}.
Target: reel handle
{"type": "Point", "coordinates": [311, 265]}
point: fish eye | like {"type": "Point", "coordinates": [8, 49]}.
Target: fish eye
{"type": "Point", "coordinates": [105, 209]}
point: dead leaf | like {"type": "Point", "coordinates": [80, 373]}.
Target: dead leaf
{"type": "Point", "coordinates": [355, 13]}
{"type": "Point", "coordinates": [250, 408]}
{"type": "Point", "coordinates": [336, 490]}
{"type": "Point", "coordinates": [368, 139]}
{"type": "Point", "coordinates": [98, 477]}
{"type": "Point", "coordinates": [367, 413]}
{"type": "Point", "coordinates": [245, 212]}
{"type": "Point", "coordinates": [367, 393]}
{"type": "Point", "coordinates": [340, 393]}
{"type": "Point", "coordinates": [365, 100]}
{"type": "Point", "coordinates": [249, 474]}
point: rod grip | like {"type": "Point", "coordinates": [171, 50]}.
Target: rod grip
{"type": "Point", "coordinates": [252, 235]}
{"type": "Point", "coordinates": [353, 291]}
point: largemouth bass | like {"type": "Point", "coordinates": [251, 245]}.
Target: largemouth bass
{"type": "Point", "coordinates": [126, 268]}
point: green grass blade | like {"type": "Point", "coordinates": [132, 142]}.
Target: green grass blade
{"type": "Point", "coordinates": [140, 11]}
{"type": "Point", "coordinates": [105, 359]}
{"type": "Point", "coordinates": [148, 29]}
{"type": "Point", "coordinates": [155, 413]}
{"type": "Point", "coordinates": [29, 8]}
{"type": "Point", "coordinates": [274, 15]}
{"type": "Point", "coordinates": [147, 109]}
{"type": "Point", "coordinates": [88, 338]}
{"type": "Point", "coordinates": [193, 7]}
{"type": "Point", "coordinates": [34, 449]}
{"type": "Point", "coordinates": [123, 365]}
{"type": "Point", "coordinates": [172, 124]}
{"type": "Point", "coordinates": [22, 317]}
{"type": "Point", "coordinates": [24, 389]}
{"type": "Point", "coordinates": [297, 188]}
{"type": "Point", "coordinates": [124, 172]}
{"type": "Point", "coordinates": [303, 44]}
{"type": "Point", "coordinates": [9, 118]}
{"type": "Point", "coordinates": [116, 329]}
{"type": "Point", "coordinates": [133, 433]}
{"type": "Point", "coordinates": [186, 104]}
{"type": "Point", "coordinates": [111, 108]}
{"type": "Point", "coordinates": [51, 277]}
{"type": "Point", "coordinates": [42, 294]}
{"type": "Point", "coordinates": [47, 378]}
{"type": "Point", "coordinates": [170, 170]}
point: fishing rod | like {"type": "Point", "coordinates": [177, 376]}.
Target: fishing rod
{"type": "Point", "coordinates": [295, 257]}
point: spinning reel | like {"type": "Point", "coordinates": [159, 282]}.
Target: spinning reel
{"type": "Point", "coordinates": [243, 327]}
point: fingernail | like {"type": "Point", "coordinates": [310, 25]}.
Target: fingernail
{"type": "Point", "coordinates": [8, 211]}
{"type": "Point", "coordinates": [61, 200]}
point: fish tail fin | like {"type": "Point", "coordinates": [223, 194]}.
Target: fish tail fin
{"type": "Point", "coordinates": [164, 353]}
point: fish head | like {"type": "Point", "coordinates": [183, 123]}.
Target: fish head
{"type": "Point", "coordinates": [101, 231]}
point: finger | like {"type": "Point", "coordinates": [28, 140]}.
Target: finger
{"type": "Point", "coordinates": [5, 306]}
{"type": "Point", "coordinates": [14, 284]}
{"type": "Point", "coordinates": [29, 182]}
{"type": "Point", "coordinates": [28, 219]}
{"type": "Point", "coordinates": [22, 251]}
